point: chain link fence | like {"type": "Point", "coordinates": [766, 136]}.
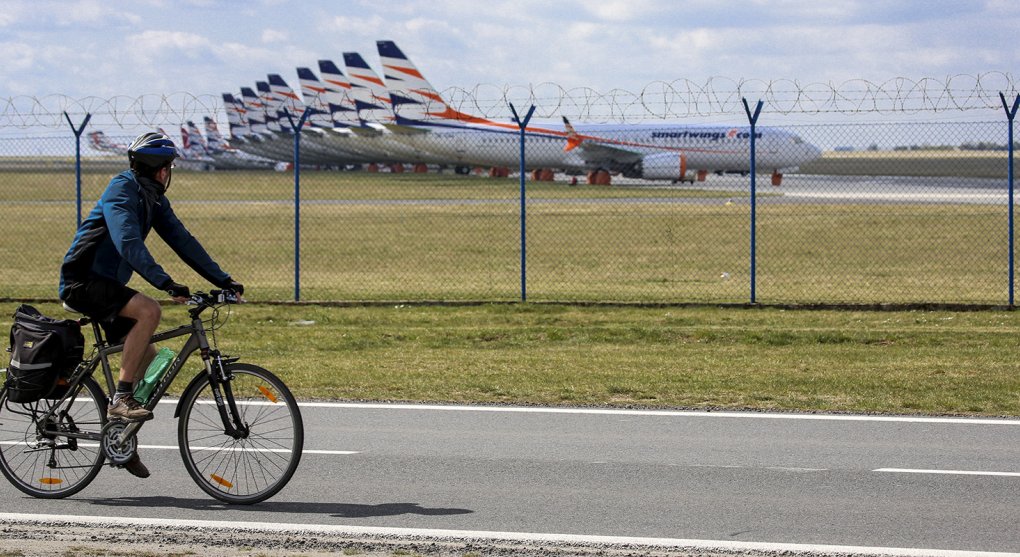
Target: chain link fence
{"type": "Point", "coordinates": [886, 212]}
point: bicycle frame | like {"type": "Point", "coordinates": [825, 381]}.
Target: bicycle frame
{"type": "Point", "coordinates": [197, 341]}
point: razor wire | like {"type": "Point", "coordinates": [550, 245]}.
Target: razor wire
{"type": "Point", "coordinates": [660, 100]}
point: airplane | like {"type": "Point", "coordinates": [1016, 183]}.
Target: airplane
{"type": "Point", "coordinates": [259, 139]}
{"type": "Point", "coordinates": [237, 118]}
{"type": "Point", "coordinates": [226, 156]}
{"type": "Point", "coordinates": [329, 134]}
{"type": "Point", "coordinates": [374, 109]}
{"type": "Point", "coordinates": [192, 152]}
{"type": "Point", "coordinates": [648, 151]}
{"type": "Point", "coordinates": [371, 99]}
{"type": "Point", "coordinates": [100, 142]}
{"type": "Point", "coordinates": [331, 113]}
{"type": "Point", "coordinates": [353, 136]}
{"type": "Point", "coordinates": [320, 143]}
{"type": "Point", "coordinates": [333, 133]}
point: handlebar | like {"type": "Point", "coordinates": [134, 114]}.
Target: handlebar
{"type": "Point", "coordinates": [214, 298]}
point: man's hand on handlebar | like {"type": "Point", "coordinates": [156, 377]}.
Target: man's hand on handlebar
{"type": "Point", "coordinates": [234, 291]}
{"type": "Point", "coordinates": [231, 296]}
{"type": "Point", "coordinates": [179, 292]}
{"type": "Point", "coordinates": [233, 285]}
{"type": "Point", "coordinates": [214, 298]}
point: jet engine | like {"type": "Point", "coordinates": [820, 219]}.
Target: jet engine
{"type": "Point", "coordinates": [662, 166]}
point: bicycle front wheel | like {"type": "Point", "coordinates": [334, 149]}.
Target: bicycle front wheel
{"type": "Point", "coordinates": [36, 454]}
{"type": "Point", "coordinates": [255, 466]}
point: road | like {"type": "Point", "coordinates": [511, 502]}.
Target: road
{"type": "Point", "coordinates": [725, 479]}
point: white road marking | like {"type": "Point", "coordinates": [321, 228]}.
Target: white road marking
{"type": "Point", "coordinates": [659, 413]}
{"type": "Point", "coordinates": [471, 535]}
{"type": "Point", "coordinates": [949, 472]}
{"type": "Point", "coordinates": [305, 451]}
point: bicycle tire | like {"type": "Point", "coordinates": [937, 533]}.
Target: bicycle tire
{"type": "Point", "coordinates": [248, 470]}
{"type": "Point", "coordinates": [28, 465]}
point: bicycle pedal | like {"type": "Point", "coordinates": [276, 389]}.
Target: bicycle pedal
{"type": "Point", "coordinates": [123, 420]}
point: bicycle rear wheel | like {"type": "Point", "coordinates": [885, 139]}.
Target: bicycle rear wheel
{"type": "Point", "coordinates": [40, 459]}
{"type": "Point", "coordinates": [254, 467]}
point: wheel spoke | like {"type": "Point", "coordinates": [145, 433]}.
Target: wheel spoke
{"type": "Point", "coordinates": [58, 471]}
{"type": "Point", "coordinates": [256, 466]}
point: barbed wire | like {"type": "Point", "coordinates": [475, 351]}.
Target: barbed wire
{"type": "Point", "coordinates": [660, 100]}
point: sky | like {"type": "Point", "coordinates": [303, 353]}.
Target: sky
{"type": "Point", "coordinates": [113, 48]}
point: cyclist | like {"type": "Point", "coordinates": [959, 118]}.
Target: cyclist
{"type": "Point", "coordinates": [110, 246]}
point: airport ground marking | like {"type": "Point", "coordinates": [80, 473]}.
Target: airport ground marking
{"type": "Point", "coordinates": [948, 472]}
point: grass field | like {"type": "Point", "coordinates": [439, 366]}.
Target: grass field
{"type": "Point", "coordinates": [410, 237]}
{"type": "Point", "coordinates": [444, 237]}
{"type": "Point", "coordinates": [769, 359]}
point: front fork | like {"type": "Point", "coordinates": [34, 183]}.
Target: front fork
{"type": "Point", "coordinates": [219, 383]}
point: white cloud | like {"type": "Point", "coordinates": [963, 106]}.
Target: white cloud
{"type": "Point", "coordinates": [15, 57]}
{"type": "Point", "coordinates": [374, 25]}
{"type": "Point", "coordinates": [273, 36]}
{"type": "Point", "coordinates": [92, 13]}
{"type": "Point", "coordinates": [91, 47]}
{"type": "Point", "coordinates": [157, 47]}
{"type": "Point", "coordinates": [617, 11]}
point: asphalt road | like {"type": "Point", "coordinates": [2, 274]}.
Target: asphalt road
{"type": "Point", "coordinates": [726, 477]}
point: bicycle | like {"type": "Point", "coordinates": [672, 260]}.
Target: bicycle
{"type": "Point", "coordinates": [240, 432]}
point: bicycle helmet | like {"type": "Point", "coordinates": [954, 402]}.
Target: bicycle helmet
{"type": "Point", "coordinates": [152, 149]}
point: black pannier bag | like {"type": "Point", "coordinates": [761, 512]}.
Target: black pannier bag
{"type": "Point", "coordinates": [43, 350]}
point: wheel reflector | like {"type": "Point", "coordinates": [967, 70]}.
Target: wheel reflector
{"type": "Point", "coordinates": [267, 394]}
{"type": "Point", "coordinates": [51, 481]}
{"type": "Point", "coordinates": [221, 481]}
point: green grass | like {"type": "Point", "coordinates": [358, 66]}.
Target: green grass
{"type": "Point", "coordinates": [444, 237]}
{"type": "Point", "coordinates": [698, 357]}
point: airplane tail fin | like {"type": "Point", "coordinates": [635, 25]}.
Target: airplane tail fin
{"type": "Point", "coordinates": [254, 110]}
{"type": "Point", "coordinates": [237, 120]}
{"type": "Point", "coordinates": [370, 95]}
{"type": "Point", "coordinates": [415, 100]}
{"type": "Point", "coordinates": [100, 142]}
{"type": "Point", "coordinates": [574, 139]}
{"type": "Point", "coordinates": [193, 143]}
{"type": "Point", "coordinates": [341, 104]}
{"type": "Point", "coordinates": [319, 98]}
{"type": "Point", "coordinates": [214, 137]}
{"type": "Point", "coordinates": [185, 147]}
{"type": "Point", "coordinates": [96, 140]}
{"type": "Point", "coordinates": [286, 99]}
{"type": "Point", "coordinates": [196, 136]}
{"type": "Point", "coordinates": [271, 104]}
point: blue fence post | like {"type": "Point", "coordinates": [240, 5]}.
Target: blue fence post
{"type": "Point", "coordinates": [524, 213]}
{"type": "Point", "coordinates": [77, 162]}
{"type": "Point", "coordinates": [753, 119]}
{"type": "Point", "coordinates": [1010, 115]}
{"type": "Point", "coordinates": [297, 197]}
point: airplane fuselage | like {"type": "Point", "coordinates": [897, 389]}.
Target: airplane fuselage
{"type": "Point", "coordinates": [618, 147]}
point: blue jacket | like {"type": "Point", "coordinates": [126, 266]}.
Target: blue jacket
{"type": "Point", "coordinates": [110, 242]}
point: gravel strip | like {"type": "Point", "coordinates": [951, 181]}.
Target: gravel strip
{"type": "Point", "coordinates": [62, 539]}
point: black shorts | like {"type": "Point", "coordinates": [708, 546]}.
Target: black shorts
{"type": "Point", "coordinates": [101, 300]}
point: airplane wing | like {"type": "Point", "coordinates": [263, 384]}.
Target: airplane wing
{"type": "Point", "coordinates": [596, 154]}
{"type": "Point", "coordinates": [591, 152]}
